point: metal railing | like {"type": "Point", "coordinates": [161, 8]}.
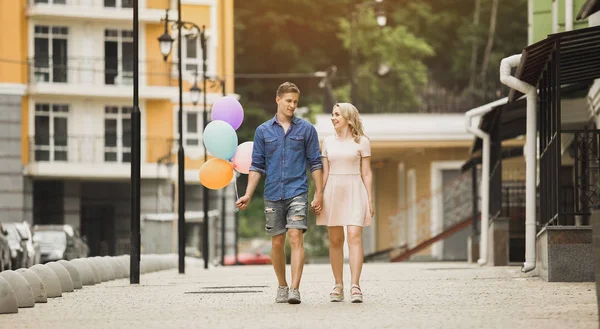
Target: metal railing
{"type": "Point", "coordinates": [108, 4]}
{"type": "Point", "coordinates": [412, 224]}
{"type": "Point", "coordinates": [94, 149]}
{"type": "Point", "coordinates": [98, 71]}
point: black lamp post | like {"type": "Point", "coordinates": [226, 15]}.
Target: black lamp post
{"type": "Point", "coordinates": [134, 257]}
{"type": "Point", "coordinates": [381, 21]}
{"type": "Point", "coordinates": [166, 43]}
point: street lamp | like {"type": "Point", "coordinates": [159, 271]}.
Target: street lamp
{"type": "Point", "coordinates": [381, 21]}
{"type": "Point", "coordinates": [166, 44]}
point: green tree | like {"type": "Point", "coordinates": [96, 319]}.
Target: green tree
{"type": "Point", "coordinates": [397, 51]}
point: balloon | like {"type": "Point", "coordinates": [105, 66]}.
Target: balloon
{"type": "Point", "coordinates": [216, 173]}
{"type": "Point", "coordinates": [243, 157]}
{"type": "Point", "coordinates": [228, 109]}
{"type": "Point", "coordinates": [220, 139]}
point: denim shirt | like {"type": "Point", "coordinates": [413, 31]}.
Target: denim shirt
{"type": "Point", "coordinates": [283, 157]}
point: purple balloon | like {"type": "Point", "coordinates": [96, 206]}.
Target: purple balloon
{"type": "Point", "coordinates": [228, 109]}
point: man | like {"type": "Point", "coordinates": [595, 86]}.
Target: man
{"type": "Point", "coordinates": [283, 146]}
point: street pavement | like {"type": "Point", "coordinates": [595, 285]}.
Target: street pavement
{"type": "Point", "coordinates": [397, 295]}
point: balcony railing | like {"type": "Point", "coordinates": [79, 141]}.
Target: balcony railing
{"type": "Point", "coordinates": [109, 4]}
{"type": "Point", "coordinates": [95, 149]}
{"type": "Point", "coordinates": [97, 71]}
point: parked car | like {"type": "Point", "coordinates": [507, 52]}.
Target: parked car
{"type": "Point", "coordinates": [257, 256]}
{"type": "Point", "coordinates": [5, 261]}
{"type": "Point", "coordinates": [59, 242]}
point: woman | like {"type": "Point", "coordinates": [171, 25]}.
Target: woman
{"type": "Point", "coordinates": [347, 195]}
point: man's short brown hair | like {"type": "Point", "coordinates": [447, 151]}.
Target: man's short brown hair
{"type": "Point", "coordinates": [287, 87]}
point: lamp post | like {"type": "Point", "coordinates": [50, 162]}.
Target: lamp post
{"type": "Point", "coordinates": [381, 21]}
{"type": "Point", "coordinates": [134, 259]}
{"type": "Point", "coordinates": [166, 43]}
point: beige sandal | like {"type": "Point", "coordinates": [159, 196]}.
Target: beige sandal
{"type": "Point", "coordinates": [356, 294]}
{"type": "Point", "coordinates": [337, 294]}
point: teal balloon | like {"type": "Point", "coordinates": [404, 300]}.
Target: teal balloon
{"type": "Point", "coordinates": [220, 139]}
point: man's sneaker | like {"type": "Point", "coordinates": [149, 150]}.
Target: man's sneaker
{"type": "Point", "coordinates": [294, 296]}
{"type": "Point", "coordinates": [282, 294]}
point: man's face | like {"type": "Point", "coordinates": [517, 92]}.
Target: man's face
{"type": "Point", "coordinates": [287, 103]}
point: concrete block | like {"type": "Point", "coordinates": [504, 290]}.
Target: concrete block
{"type": "Point", "coordinates": [73, 272]}
{"type": "Point", "coordinates": [8, 300]}
{"type": "Point", "coordinates": [95, 270]}
{"type": "Point", "coordinates": [565, 254]}
{"type": "Point", "coordinates": [110, 273]}
{"type": "Point", "coordinates": [66, 282]}
{"type": "Point", "coordinates": [49, 279]}
{"type": "Point", "coordinates": [114, 266]}
{"type": "Point", "coordinates": [20, 287]}
{"type": "Point", "coordinates": [86, 273]}
{"type": "Point", "coordinates": [36, 285]}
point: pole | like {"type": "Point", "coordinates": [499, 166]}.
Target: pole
{"type": "Point", "coordinates": [204, 122]}
{"type": "Point", "coordinates": [236, 224]}
{"type": "Point", "coordinates": [134, 258]}
{"type": "Point", "coordinates": [223, 207]}
{"type": "Point", "coordinates": [475, 201]}
{"type": "Point", "coordinates": [180, 154]}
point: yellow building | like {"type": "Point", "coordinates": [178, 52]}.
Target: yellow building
{"type": "Point", "coordinates": [66, 90]}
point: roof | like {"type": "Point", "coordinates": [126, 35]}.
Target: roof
{"type": "Point", "coordinates": [578, 54]}
{"type": "Point", "coordinates": [405, 127]}
{"type": "Point", "coordinates": [512, 118]}
{"type": "Point", "coordinates": [589, 8]}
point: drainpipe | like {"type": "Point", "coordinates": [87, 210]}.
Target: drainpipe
{"type": "Point", "coordinates": [485, 174]}
{"type": "Point", "coordinates": [530, 154]}
{"type": "Point", "coordinates": [568, 15]}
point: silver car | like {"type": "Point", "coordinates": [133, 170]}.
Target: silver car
{"type": "Point", "coordinates": [59, 242]}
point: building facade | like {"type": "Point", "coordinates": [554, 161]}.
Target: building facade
{"type": "Point", "coordinates": [66, 90]}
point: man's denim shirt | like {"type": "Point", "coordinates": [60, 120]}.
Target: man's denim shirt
{"type": "Point", "coordinates": [283, 157]}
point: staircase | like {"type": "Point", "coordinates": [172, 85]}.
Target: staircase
{"type": "Point", "coordinates": [423, 245]}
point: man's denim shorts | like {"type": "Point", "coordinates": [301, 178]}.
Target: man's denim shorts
{"type": "Point", "coordinates": [285, 214]}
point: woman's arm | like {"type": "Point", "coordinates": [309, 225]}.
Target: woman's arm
{"type": "Point", "coordinates": [367, 178]}
{"type": "Point", "coordinates": [325, 171]}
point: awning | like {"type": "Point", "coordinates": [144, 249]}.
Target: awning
{"type": "Point", "coordinates": [589, 8]}
{"type": "Point", "coordinates": [578, 52]}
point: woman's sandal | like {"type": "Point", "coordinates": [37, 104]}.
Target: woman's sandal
{"type": "Point", "coordinates": [356, 295]}
{"type": "Point", "coordinates": [337, 294]}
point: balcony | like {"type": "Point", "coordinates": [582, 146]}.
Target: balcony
{"type": "Point", "coordinates": [97, 10]}
{"type": "Point", "coordinates": [99, 77]}
{"type": "Point", "coordinates": [97, 157]}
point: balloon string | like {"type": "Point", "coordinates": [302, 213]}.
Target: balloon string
{"type": "Point", "coordinates": [235, 209]}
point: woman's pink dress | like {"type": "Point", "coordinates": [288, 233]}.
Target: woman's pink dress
{"type": "Point", "coordinates": [345, 198]}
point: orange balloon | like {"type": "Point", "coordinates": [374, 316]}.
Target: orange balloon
{"type": "Point", "coordinates": [216, 173]}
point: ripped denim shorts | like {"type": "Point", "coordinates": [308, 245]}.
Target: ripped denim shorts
{"type": "Point", "coordinates": [285, 214]}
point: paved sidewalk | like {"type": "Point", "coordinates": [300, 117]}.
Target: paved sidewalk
{"type": "Point", "coordinates": [404, 295]}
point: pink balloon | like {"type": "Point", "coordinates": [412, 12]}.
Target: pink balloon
{"type": "Point", "coordinates": [228, 109]}
{"type": "Point", "coordinates": [243, 158]}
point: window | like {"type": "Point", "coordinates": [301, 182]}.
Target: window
{"type": "Point", "coordinates": [192, 54]}
{"type": "Point", "coordinates": [51, 137]}
{"type": "Point", "coordinates": [118, 57]}
{"type": "Point", "coordinates": [50, 53]}
{"type": "Point", "coordinates": [117, 134]}
{"type": "Point", "coordinates": [118, 3]}
{"type": "Point", "coordinates": [192, 123]}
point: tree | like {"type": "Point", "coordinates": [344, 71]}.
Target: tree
{"type": "Point", "coordinates": [390, 68]}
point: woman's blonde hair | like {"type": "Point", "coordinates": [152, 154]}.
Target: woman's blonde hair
{"type": "Point", "coordinates": [350, 113]}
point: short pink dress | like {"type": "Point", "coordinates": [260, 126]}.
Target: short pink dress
{"type": "Point", "coordinates": [345, 198]}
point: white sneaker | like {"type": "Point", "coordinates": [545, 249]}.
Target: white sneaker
{"type": "Point", "coordinates": [282, 294]}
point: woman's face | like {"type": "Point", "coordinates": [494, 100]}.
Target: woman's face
{"type": "Point", "coordinates": [337, 119]}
